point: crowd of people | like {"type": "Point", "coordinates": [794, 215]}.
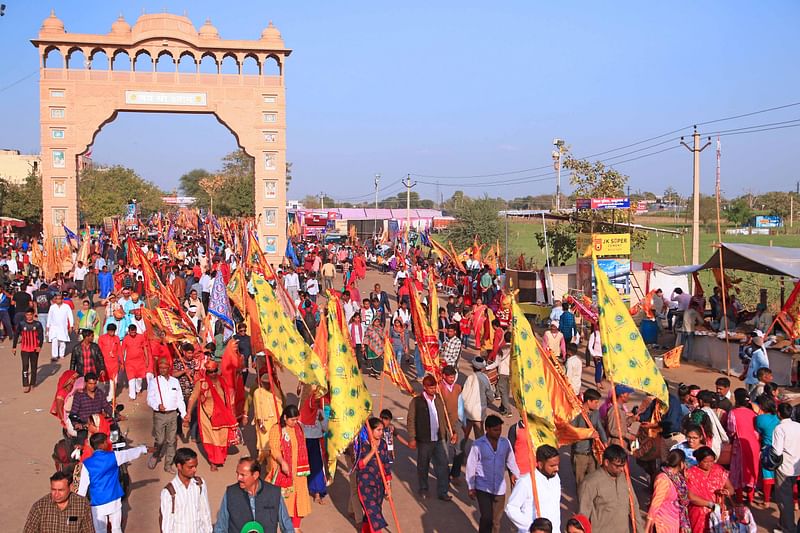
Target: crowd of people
{"type": "Point", "coordinates": [706, 454]}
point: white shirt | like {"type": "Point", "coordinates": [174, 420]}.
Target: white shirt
{"type": "Point", "coordinates": [786, 442]}
{"type": "Point", "coordinates": [171, 396]}
{"type": "Point", "coordinates": [59, 322]}
{"type": "Point", "coordinates": [206, 282]}
{"type": "Point", "coordinates": [350, 308]}
{"type": "Point", "coordinates": [402, 314]}
{"type": "Point", "coordinates": [434, 416]}
{"type": "Point", "coordinates": [291, 281]}
{"type": "Point", "coordinates": [520, 506]}
{"type": "Point", "coordinates": [192, 511]}
{"type": "Point", "coordinates": [400, 277]}
{"type": "Point", "coordinates": [574, 371]}
{"type": "Point", "coordinates": [503, 361]}
{"type": "Point", "coordinates": [595, 345]}
{"type": "Point", "coordinates": [312, 287]}
{"type": "Point", "coordinates": [80, 273]}
{"type": "Point", "coordinates": [123, 456]}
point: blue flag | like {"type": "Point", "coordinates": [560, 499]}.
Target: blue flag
{"type": "Point", "coordinates": [290, 253]}
{"type": "Point", "coordinates": [218, 303]}
{"type": "Point", "coordinates": [71, 236]}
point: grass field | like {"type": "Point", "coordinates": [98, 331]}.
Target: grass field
{"type": "Point", "coordinates": [662, 248]}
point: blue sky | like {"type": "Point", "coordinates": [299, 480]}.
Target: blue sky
{"type": "Point", "coordinates": [466, 88]}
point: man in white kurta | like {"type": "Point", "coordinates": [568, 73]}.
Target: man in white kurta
{"type": "Point", "coordinates": [59, 323]}
{"type": "Point", "coordinates": [521, 507]}
{"type": "Point", "coordinates": [184, 501]}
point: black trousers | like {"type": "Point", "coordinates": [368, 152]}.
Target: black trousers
{"type": "Point", "coordinates": [432, 451]}
{"type": "Point", "coordinates": [30, 363]}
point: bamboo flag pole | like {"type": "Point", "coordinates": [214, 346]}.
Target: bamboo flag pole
{"type": "Point", "coordinates": [532, 458]}
{"type": "Point", "coordinates": [387, 489]}
{"type": "Point", "coordinates": [621, 438]}
{"type": "Point", "coordinates": [721, 267]}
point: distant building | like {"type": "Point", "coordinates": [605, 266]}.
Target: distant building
{"type": "Point", "coordinates": [15, 166]}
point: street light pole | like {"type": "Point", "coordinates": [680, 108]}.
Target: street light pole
{"type": "Point", "coordinates": [375, 230]}
{"type": "Point", "coordinates": [322, 200]}
{"type": "Point", "coordinates": [696, 149]}
{"type": "Point", "coordinates": [408, 186]}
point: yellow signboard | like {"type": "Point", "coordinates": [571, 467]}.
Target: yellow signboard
{"type": "Point", "coordinates": [611, 244]}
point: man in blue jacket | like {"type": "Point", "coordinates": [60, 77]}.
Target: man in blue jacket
{"type": "Point", "coordinates": [100, 473]}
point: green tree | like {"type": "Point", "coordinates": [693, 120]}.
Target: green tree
{"type": "Point", "coordinates": [190, 186]}
{"type": "Point", "coordinates": [738, 212]}
{"type": "Point", "coordinates": [237, 196]}
{"type": "Point", "coordinates": [776, 202]}
{"type": "Point", "coordinates": [23, 200]}
{"type": "Point", "coordinates": [561, 242]}
{"type": "Point", "coordinates": [595, 180]}
{"type": "Point", "coordinates": [99, 198]}
{"type": "Point", "coordinates": [478, 217]}
{"type": "Point", "coordinates": [399, 201]}
{"type": "Point", "coordinates": [541, 201]}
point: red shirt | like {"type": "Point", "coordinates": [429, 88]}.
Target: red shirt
{"type": "Point", "coordinates": [110, 348]}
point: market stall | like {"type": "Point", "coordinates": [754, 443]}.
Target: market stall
{"type": "Point", "coordinates": [712, 351]}
{"type": "Point", "coordinates": [710, 347]}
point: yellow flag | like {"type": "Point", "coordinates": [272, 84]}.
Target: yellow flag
{"type": "Point", "coordinates": [283, 340]}
{"type": "Point", "coordinates": [528, 381]}
{"type": "Point", "coordinates": [625, 355]}
{"type": "Point", "coordinates": [350, 399]}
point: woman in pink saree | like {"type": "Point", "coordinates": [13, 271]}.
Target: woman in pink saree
{"type": "Point", "coordinates": [745, 454]}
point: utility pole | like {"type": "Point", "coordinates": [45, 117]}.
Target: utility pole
{"type": "Point", "coordinates": [375, 230]}
{"type": "Point", "coordinates": [696, 149]}
{"type": "Point", "coordinates": [559, 144]}
{"type": "Point", "coordinates": [408, 186]}
{"type": "Point", "coordinates": [322, 200]}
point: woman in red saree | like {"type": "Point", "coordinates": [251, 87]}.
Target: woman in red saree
{"type": "Point", "coordinates": [232, 366]}
{"type": "Point", "coordinates": [215, 419]}
{"type": "Point", "coordinates": [745, 451]}
{"type": "Point", "coordinates": [360, 265]}
{"type": "Point", "coordinates": [68, 384]}
{"type": "Point", "coordinates": [288, 466]}
{"type": "Point", "coordinates": [708, 482]}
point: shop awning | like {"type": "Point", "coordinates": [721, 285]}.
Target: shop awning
{"type": "Point", "coordinates": [770, 260]}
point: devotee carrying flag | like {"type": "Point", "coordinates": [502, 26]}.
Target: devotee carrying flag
{"type": "Point", "coordinates": [528, 381]}
{"type": "Point", "coordinates": [218, 303]}
{"type": "Point", "coordinates": [392, 369]}
{"type": "Point", "coordinates": [427, 341]}
{"type": "Point", "coordinates": [350, 399]}
{"type": "Point", "coordinates": [625, 355]}
{"type": "Point", "coordinates": [283, 340]}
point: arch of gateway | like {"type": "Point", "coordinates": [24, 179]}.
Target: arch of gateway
{"type": "Point", "coordinates": [77, 98]}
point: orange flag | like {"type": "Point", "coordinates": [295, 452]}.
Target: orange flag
{"type": "Point", "coordinates": [566, 405]}
{"type": "Point", "coordinates": [476, 249]}
{"type": "Point", "coordinates": [427, 341]}
{"type": "Point", "coordinates": [672, 358]}
{"type": "Point", "coordinates": [393, 370]}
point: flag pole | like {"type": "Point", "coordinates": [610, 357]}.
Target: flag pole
{"type": "Point", "coordinates": [721, 267]}
{"type": "Point", "coordinates": [524, 418]}
{"type": "Point", "coordinates": [621, 438]}
{"type": "Point", "coordinates": [386, 486]}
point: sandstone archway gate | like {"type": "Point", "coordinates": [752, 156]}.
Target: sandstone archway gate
{"type": "Point", "coordinates": [76, 100]}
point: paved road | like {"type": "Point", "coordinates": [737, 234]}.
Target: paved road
{"type": "Point", "coordinates": [29, 433]}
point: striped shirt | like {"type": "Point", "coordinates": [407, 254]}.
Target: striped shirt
{"type": "Point", "coordinates": [188, 511]}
